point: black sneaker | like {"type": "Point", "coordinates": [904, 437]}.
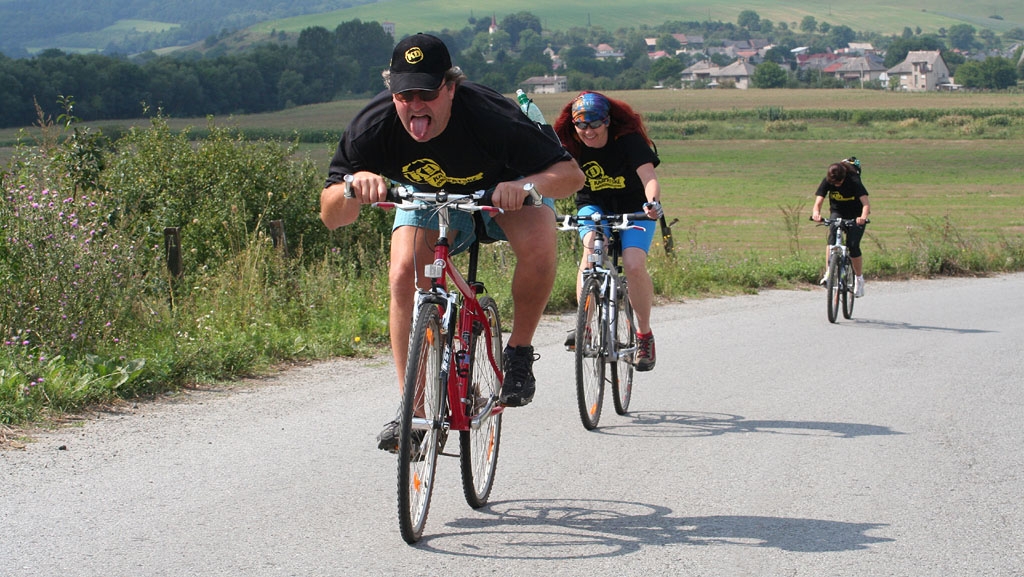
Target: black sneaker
{"type": "Point", "coordinates": [387, 440]}
{"type": "Point", "coordinates": [570, 341]}
{"type": "Point", "coordinates": [519, 384]}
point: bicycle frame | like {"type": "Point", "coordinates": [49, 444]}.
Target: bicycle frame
{"type": "Point", "coordinates": [604, 265]}
{"type": "Point", "coordinates": [446, 353]}
{"type": "Point", "coordinates": [839, 273]}
{"type": "Point", "coordinates": [839, 247]}
{"type": "Point", "coordinates": [459, 309]}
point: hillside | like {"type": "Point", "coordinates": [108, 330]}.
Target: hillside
{"type": "Point", "coordinates": [131, 26]}
{"type": "Point", "coordinates": [882, 16]}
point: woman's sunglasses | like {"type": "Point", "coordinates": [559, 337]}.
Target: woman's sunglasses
{"type": "Point", "coordinates": [593, 124]}
{"type": "Point", "coordinates": [425, 95]}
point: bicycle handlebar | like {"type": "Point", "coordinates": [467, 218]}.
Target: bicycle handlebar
{"type": "Point", "coordinates": [616, 221]}
{"type": "Point", "coordinates": [844, 222]}
{"type": "Point", "coordinates": [406, 198]}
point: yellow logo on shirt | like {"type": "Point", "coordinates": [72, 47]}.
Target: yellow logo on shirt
{"type": "Point", "coordinates": [426, 171]}
{"type": "Point", "coordinates": [598, 180]}
{"type": "Point", "coordinates": [838, 197]}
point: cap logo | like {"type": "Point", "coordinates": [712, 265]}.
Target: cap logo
{"type": "Point", "coordinates": [413, 55]}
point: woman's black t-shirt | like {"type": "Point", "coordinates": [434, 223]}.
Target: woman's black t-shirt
{"type": "Point", "coordinates": [612, 182]}
{"type": "Point", "coordinates": [844, 200]}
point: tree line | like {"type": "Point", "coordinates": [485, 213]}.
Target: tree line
{"type": "Point", "coordinates": [319, 66]}
{"type": "Point", "coordinates": [322, 65]}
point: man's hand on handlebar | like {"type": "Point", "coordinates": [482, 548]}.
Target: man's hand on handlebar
{"type": "Point", "coordinates": [368, 187]}
{"type": "Point", "coordinates": [511, 196]}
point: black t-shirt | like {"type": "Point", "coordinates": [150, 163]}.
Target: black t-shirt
{"type": "Point", "coordinates": [844, 200]}
{"type": "Point", "coordinates": [612, 182]}
{"type": "Point", "coordinates": [488, 140]}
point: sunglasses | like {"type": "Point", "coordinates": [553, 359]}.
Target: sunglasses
{"type": "Point", "coordinates": [424, 95]}
{"type": "Point", "coordinates": [593, 124]}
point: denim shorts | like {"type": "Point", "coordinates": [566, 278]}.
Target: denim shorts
{"type": "Point", "coordinates": [631, 238]}
{"type": "Point", "coordinates": [458, 220]}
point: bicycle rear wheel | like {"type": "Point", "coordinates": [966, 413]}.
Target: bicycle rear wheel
{"type": "Point", "coordinates": [589, 354]}
{"type": "Point", "coordinates": [478, 453]}
{"type": "Point", "coordinates": [832, 288]}
{"type": "Point", "coordinates": [848, 294]}
{"type": "Point", "coordinates": [422, 422]}
{"type": "Point", "coordinates": [625, 340]}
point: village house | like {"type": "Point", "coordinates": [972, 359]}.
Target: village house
{"type": "Point", "coordinates": [855, 71]}
{"type": "Point", "coordinates": [606, 52]}
{"type": "Point", "coordinates": [697, 72]}
{"type": "Point", "coordinates": [736, 74]}
{"type": "Point", "coordinates": [545, 84]}
{"type": "Point", "coordinates": [922, 70]}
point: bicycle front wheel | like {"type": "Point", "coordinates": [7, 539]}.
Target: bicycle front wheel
{"type": "Point", "coordinates": [848, 294]}
{"type": "Point", "coordinates": [422, 423]}
{"type": "Point", "coordinates": [625, 340]}
{"type": "Point", "coordinates": [590, 355]}
{"type": "Point", "coordinates": [832, 288]}
{"type": "Point", "coordinates": [478, 453]}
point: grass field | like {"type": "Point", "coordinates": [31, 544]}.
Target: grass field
{"type": "Point", "coordinates": [732, 193]}
{"type": "Point", "coordinates": [734, 196]}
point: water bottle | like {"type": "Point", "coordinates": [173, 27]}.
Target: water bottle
{"type": "Point", "coordinates": [529, 108]}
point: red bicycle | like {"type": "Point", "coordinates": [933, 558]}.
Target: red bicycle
{"type": "Point", "coordinates": [454, 371]}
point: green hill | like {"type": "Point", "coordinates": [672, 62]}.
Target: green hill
{"type": "Point", "coordinates": [133, 26]}
{"type": "Point", "coordinates": [883, 16]}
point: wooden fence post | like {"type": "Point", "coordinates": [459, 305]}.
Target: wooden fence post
{"type": "Point", "coordinates": [172, 248]}
{"type": "Point", "coordinates": [277, 234]}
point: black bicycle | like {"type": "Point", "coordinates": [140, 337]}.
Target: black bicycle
{"type": "Point", "coordinates": [605, 323]}
{"type": "Point", "coordinates": [839, 279]}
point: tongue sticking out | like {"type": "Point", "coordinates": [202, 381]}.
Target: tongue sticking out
{"type": "Point", "coordinates": [418, 125]}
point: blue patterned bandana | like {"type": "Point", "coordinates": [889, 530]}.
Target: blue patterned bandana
{"type": "Point", "coordinates": [589, 106]}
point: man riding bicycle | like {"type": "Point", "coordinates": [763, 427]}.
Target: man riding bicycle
{"type": "Point", "coordinates": [434, 130]}
{"type": "Point", "coordinates": [847, 199]}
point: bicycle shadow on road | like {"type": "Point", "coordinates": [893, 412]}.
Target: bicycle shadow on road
{"type": "Point", "coordinates": [904, 326]}
{"type": "Point", "coordinates": [584, 528]}
{"type": "Point", "coordinates": [687, 424]}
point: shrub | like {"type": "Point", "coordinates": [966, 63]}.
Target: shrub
{"type": "Point", "coordinates": [785, 126]}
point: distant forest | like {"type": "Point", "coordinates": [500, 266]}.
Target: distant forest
{"type": "Point", "coordinates": [319, 67]}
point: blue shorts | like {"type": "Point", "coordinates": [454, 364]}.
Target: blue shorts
{"type": "Point", "coordinates": [631, 238]}
{"type": "Point", "coordinates": [460, 221]}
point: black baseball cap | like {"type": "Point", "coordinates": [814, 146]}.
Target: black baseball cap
{"type": "Point", "coordinates": [419, 62]}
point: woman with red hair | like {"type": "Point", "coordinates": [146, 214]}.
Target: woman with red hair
{"type": "Point", "coordinates": [608, 140]}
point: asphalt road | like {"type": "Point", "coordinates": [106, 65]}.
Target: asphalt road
{"type": "Point", "coordinates": [766, 442]}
